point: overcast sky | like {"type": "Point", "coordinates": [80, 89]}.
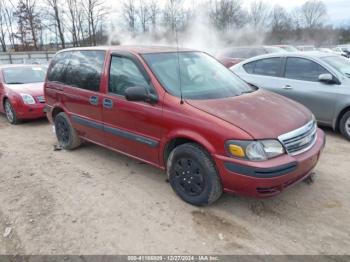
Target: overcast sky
{"type": "Point", "coordinates": [338, 10]}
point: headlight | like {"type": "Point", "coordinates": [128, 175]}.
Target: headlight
{"type": "Point", "coordinates": [28, 99]}
{"type": "Point", "coordinates": [255, 150]}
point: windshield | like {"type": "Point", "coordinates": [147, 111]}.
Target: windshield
{"type": "Point", "coordinates": [24, 75]}
{"type": "Point", "coordinates": [202, 77]}
{"type": "Point", "coordinates": [339, 63]}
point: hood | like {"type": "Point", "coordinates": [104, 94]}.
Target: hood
{"type": "Point", "coordinates": [33, 89]}
{"type": "Point", "coordinates": [262, 114]}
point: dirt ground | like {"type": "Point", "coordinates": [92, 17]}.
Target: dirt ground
{"type": "Point", "coordinates": [94, 201]}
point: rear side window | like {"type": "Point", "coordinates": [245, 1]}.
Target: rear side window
{"type": "Point", "coordinates": [266, 67]}
{"type": "Point", "coordinates": [303, 69]}
{"type": "Point", "coordinates": [123, 74]}
{"type": "Point", "coordinates": [84, 69]}
{"type": "Point", "coordinates": [249, 68]}
{"type": "Point", "coordinates": [56, 72]}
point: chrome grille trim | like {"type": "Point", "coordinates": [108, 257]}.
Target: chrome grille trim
{"type": "Point", "coordinates": [300, 140]}
{"type": "Point", "coordinates": [41, 99]}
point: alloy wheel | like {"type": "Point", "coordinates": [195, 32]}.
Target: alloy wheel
{"type": "Point", "coordinates": [347, 126]}
{"type": "Point", "coordinates": [9, 113]}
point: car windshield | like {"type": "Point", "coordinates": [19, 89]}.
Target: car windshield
{"type": "Point", "coordinates": [24, 75]}
{"type": "Point", "coordinates": [202, 77]}
{"type": "Point", "coordinates": [339, 63]}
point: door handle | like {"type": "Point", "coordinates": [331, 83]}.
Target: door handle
{"type": "Point", "coordinates": [287, 87]}
{"type": "Point", "coordinates": [107, 103]}
{"type": "Point", "coordinates": [93, 100]}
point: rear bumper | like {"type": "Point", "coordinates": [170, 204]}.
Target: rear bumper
{"type": "Point", "coordinates": [30, 111]}
{"type": "Point", "coordinates": [268, 178]}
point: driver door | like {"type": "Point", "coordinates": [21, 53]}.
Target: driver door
{"type": "Point", "coordinates": [130, 127]}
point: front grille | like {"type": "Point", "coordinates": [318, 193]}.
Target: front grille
{"type": "Point", "coordinates": [301, 139]}
{"type": "Point", "coordinates": [41, 99]}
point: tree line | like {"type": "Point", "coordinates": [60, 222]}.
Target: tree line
{"type": "Point", "coordinates": [27, 25]}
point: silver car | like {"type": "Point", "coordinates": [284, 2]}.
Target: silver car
{"type": "Point", "coordinates": [320, 81]}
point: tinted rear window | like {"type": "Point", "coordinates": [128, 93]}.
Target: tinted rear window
{"type": "Point", "coordinates": [80, 69]}
{"type": "Point", "coordinates": [266, 67]}
{"type": "Point", "coordinates": [84, 69]}
{"type": "Point", "coordinates": [57, 68]}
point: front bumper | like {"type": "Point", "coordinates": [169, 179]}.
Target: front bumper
{"type": "Point", "coordinates": [30, 111]}
{"type": "Point", "coordinates": [268, 178]}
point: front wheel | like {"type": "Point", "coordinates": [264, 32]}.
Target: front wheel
{"type": "Point", "coordinates": [65, 132]}
{"type": "Point", "coordinates": [193, 176]}
{"type": "Point", "coordinates": [10, 113]}
{"type": "Point", "coordinates": [344, 125]}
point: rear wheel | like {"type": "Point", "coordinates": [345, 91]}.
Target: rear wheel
{"type": "Point", "coordinates": [193, 176]}
{"type": "Point", "coordinates": [10, 113]}
{"type": "Point", "coordinates": [65, 132]}
{"type": "Point", "coordinates": [345, 125]}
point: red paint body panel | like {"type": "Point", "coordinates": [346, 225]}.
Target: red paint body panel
{"type": "Point", "coordinates": [210, 123]}
{"type": "Point", "coordinates": [228, 62]}
{"type": "Point", "coordinates": [245, 185]}
{"type": "Point", "coordinates": [253, 113]}
{"type": "Point", "coordinates": [12, 93]}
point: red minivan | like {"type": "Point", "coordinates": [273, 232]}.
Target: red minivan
{"type": "Point", "coordinates": [184, 112]}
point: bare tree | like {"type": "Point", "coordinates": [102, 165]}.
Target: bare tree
{"type": "Point", "coordinates": [144, 14]}
{"type": "Point", "coordinates": [129, 12]}
{"type": "Point", "coordinates": [73, 12]}
{"type": "Point", "coordinates": [227, 14]}
{"type": "Point", "coordinates": [154, 11]}
{"type": "Point", "coordinates": [29, 23]}
{"type": "Point", "coordinates": [280, 24]}
{"type": "Point", "coordinates": [56, 15]}
{"type": "Point", "coordinates": [259, 13]}
{"type": "Point", "coordinates": [3, 30]}
{"type": "Point", "coordinates": [313, 13]}
{"type": "Point", "coordinates": [174, 15]}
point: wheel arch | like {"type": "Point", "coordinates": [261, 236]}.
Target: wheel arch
{"type": "Point", "coordinates": [339, 117]}
{"type": "Point", "coordinates": [182, 138]}
{"type": "Point", "coordinates": [55, 111]}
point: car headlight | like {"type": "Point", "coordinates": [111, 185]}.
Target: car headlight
{"type": "Point", "coordinates": [27, 99]}
{"type": "Point", "coordinates": [255, 150]}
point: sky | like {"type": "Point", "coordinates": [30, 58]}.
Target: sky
{"type": "Point", "coordinates": [338, 10]}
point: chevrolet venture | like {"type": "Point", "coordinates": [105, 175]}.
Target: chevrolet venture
{"type": "Point", "coordinates": [184, 112]}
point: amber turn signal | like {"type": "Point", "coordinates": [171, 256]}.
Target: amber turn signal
{"type": "Point", "coordinates": [236, 151]}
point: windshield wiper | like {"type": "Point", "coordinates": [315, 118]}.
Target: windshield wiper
{"type": "Point", "coordinates": [247, 92]}
{"type": "Point", "coordinates": [15, 83]}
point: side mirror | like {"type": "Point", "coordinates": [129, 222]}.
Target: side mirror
{"type": "Point", "coordinates": [138, 94]}
{"type": "Point", "coordinates": [327, 78]}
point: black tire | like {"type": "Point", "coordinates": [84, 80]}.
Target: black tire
{"type": "Point", "coordinates": [344, 125]}
{"type": "Point", "coordinates": [193, 176]}
{"type": "Point", "coordinates": [65, 132]}
{"type": "Point", "coordinates": [10, 113]}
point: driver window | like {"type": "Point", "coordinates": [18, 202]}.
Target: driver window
{"type": "Point", "coordinates": [124, 74]}
{"type": "Point", "coordinates": [303, 69]}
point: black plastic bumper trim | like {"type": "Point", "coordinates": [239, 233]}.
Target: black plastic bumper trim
{"type": "Point", "coordinates": [261, 172]}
